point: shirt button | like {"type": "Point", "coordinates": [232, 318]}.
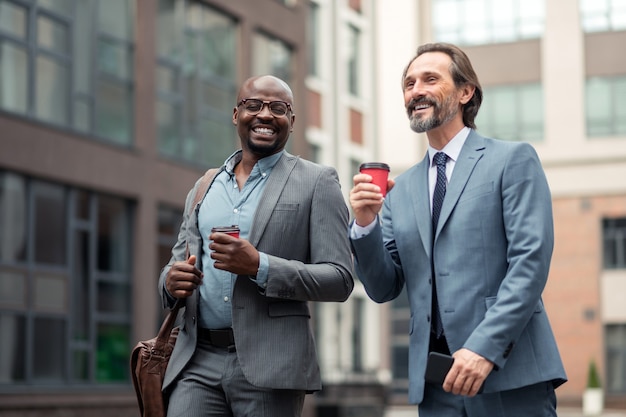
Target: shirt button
{"type": "Point", "coordinates": [264, 175]}
{"type": "Point", "coordinates": [236, 211]}
{"type": "Point", "coordinates": [225, 299]}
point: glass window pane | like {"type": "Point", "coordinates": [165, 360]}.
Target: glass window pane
{"type": "Point", "coordinates": [64, 7]}
{"type": "Point", "coordinates": [271, 56]}
{"type": "Point", "coordinates": [81, 311]}
{"type": "Point", "coordinates": [12, 289]}
{"type": "Point", "coordinates": [50, 223]}
{"type": "Point", "coordinates": [51, 94]}
{"type": "Point", "coordinates": [13, 19]}
{"type": "Point", "coordinates": [12, 348]}
{"type": "Point", "coordinates": [13, 209]}
{"type": "Point", "coordinates": [80, 365]}
{"type": "Point", "coordinates": [82, 115]}
{"type": "Point", "coordinates": [168, 128]}
{"type": "Point", "coordinates": [13, 78]}
{"type": "Point", "coordinates": [50, 293]}
{"type": "Point", "coordinates": [49, 349]}
{"type": "Point", "coordinates": [218, 45]}
{"type": "Point", "coordinates": [114, 298]}
{"type": "Point", "coordinates": [400, 362]}
{"type": "Point", "coordinates": [113, 235]}
{"type": "Point", "coordinates": [112, 353]}
{"type": "Point", "coordinates": [169, 29]}
{"type": "Point", "coordinates": [82, 52]}
{"type": "Point", "coordinates": [114, 59]}
{"type": "Point", "coordinates": [598, 106]}
{"type": "Point", "coordinates": [167, 80]}
{"type": "Point", "coordinates": [114, 112]}
{"type": "Point", "coordinates": [52, 35]}
{"type": "Point", "coordinates": [220, 97]}
{"type": "Point", "coordinates": [115, 18]}
{"type": "Point", "coordinates": [222, 142]}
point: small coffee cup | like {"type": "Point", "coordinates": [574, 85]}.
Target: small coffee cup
{"type": "Point", "coordinates": [229, 230]}
{"type": "Point", "coordinates": [379, 171]}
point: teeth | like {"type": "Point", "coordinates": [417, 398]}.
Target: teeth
{"type": "Point", "coordinates": [421, 106]}
{"type": "Point", "coordinates": [263, 131]}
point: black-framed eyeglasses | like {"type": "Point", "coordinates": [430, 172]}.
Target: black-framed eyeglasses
{"type": "Point", "coordinates": [254, 106]}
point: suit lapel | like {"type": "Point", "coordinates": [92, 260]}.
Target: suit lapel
{"type": "Point", "coordinates": [472, 151]}
{"type": "Point", "coordinates": [274, 187]}
{"type": "Point", "coordinates": [421, 202]}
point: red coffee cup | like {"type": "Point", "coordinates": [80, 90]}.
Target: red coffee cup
{"type": "Point", "coordinates": [379, 172]}
{"type": "Point", "coordinates": [230, 230]}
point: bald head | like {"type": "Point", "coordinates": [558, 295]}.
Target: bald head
{"type": "Point", "coordinates": [265, 83]}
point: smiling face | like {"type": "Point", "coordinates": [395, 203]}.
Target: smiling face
{"type": "Point", "coordinates": [264, 134]}
{"type": "Point", "coordinates": [430, 96]}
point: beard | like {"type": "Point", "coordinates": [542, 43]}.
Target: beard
{"type": "Point", "coordinates": [263, 149]}
{"type": "Point", "coordinates": [442, 113]}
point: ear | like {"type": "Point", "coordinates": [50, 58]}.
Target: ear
{"type": "Point", "coordinates": [235, 115]}
{"type": "Point", "coordinates": [293, 121]}
{"type": "Point", "coordinates": [467, 92]}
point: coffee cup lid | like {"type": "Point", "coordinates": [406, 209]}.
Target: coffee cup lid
{"type": "Point", "coordinates": [379, 165]}
{"type": "Point", "coordinates": [226, 229]}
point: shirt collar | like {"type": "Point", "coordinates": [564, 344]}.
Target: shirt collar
{"type": "Point", "coordinates": [263, 165]}
{"type": "Point", "coordinates": [452, 148]}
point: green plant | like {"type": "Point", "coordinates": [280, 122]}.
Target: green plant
{"type": "Point", "coordinates": [593, 379]}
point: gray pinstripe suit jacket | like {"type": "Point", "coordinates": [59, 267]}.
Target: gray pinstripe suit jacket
{"type": "Point", "coordinates": [301, 223]}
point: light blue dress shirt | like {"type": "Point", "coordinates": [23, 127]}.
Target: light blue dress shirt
{"type": "Point", "coordinates": [225, 205]}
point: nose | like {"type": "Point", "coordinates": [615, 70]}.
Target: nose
{"type": "Point", "coordinates": [265, 111]}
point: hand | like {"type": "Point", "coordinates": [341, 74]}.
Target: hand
{"type": "Point", "coordinates": [182, 278]}
{"type": "Point", "coordinates": [233, 254]}
{"type": "Point", "coordinates": [366, 198]}
{"type": "Point", "coordinates": [467, 374]}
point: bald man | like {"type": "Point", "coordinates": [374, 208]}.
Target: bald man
{"type": "Point", "coordinates": [245, 346]}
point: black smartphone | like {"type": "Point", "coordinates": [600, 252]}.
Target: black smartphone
{"type": "Point", "coordinates": [437, 367]}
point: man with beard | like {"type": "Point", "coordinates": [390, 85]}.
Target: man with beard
{"type": "Point", "coordinates": [245, 347]}
{"type": "Point", "coordinates": [469, 232]}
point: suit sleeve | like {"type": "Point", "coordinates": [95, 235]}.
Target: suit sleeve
{"type": "Point", "coordinates": [327, 273]}
{"type": "Point", "coordinates": [179, 250]}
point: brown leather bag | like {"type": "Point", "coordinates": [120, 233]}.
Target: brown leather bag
{"type": "Point", "coordinates": [148, 363]}
{"type": "Point", "coordinates": [149, 358]}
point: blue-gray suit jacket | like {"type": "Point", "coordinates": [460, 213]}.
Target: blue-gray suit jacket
{"type": "Point", "coordinates": [492, 252]}
{"type": "Point", "coordinates": [300, 224]}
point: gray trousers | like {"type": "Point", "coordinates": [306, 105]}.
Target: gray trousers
{"type": "Point", "coordinates": [213, 384]}
{"type": "Point", "coordinates": [538, 400]}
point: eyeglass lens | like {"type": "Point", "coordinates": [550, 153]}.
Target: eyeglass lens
{"type": "Point", "coordinates": [254, 106]}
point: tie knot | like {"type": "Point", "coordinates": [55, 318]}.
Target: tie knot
{"type": "Point", "coordinates": [440, 158]}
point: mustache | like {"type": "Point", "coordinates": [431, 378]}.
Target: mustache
{"type": "Point", "coordinates": [420, 100]}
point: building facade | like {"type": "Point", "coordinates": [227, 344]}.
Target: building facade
{"type": "Point", "coordinates": [109, 112]}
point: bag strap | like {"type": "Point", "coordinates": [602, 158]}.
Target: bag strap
{"type": "Point", "coordinates": [170, 320]}
{"type": "Point", "coordinates": [205, 182]}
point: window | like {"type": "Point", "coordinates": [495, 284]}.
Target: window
{"type": "Point", "coordinates": [354, 58]}
{"type": "Point", "coordinates": [272, 56]}
{"type": "Point", "coordinates": [477, 22]}
{"type": "Point", "coordinates": [196, 74]}
{"type": "Point", "coordinates": [616, 358]}
{"type": "Point", "coordinates": [64, 285]}
{"type": "Point", "coordinates": [603, 15]}
{"type": "Point", "coordinates": [512, 112]}
{"type": "Point", "coordinates": [69, 63]}
{"type": "Point", "coordinates": [606, 106]}
{"type": "Point", "coordinates": [313, 33]}
{"type": "Point", "coordinates": [614, 239]}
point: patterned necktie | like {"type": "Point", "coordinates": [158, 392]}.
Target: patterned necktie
{"type": "Point", "coordinates": [440, 160]}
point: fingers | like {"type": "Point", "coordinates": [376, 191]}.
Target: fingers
{"type": "Point", "coordinates": [183, 278]}
{"type": "Point", "coordinates": [468, 373]}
